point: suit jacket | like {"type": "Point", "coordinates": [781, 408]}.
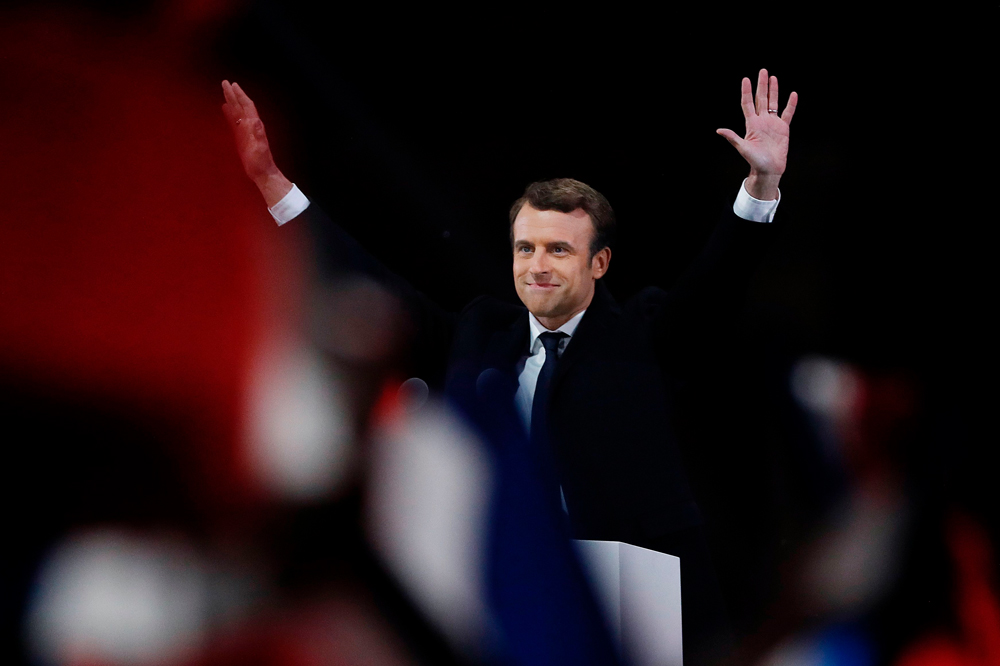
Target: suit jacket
{"type": "Point", "coordinates": [610, 405]}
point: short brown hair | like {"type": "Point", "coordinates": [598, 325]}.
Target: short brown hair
{"type": "Point", "coordinates": [567, 195]}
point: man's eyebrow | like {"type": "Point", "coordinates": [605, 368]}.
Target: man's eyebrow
{"type": "Point", "coordinates": [564, 244]}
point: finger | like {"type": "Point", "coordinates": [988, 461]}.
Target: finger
{"type": "Point", "coordinates": [746, 98]}
{"type": "Point", "coordinates": [762, 92]}
{"type": "Point", "coordinates": [249, 110]}
{"type": "Point", "coordinates": [234, 104]}
{"type": "Point", "coordinates": [730, 136]}
{"type": "Point", "coordinates": [227, 111]}
{"type": "Point", "coordinates": [789, 111]}
{"type": "Point", "coordinates": [772, 94]}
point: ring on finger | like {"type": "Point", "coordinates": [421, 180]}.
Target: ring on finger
{"type": "Point", "coordinates": [772, 110]}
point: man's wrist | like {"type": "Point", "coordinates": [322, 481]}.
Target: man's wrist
{"type": "Point", "coordinates": [762, 186]}
{"type": "Point", "coordinates": [753, 209]}
{"type": "Point", "coordinates": [273, 186]}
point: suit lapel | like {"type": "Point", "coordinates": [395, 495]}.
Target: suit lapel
{"type": "Point", "coordinates": [588, 334]}
{"type": "Point", "coordinates": [507, 346]}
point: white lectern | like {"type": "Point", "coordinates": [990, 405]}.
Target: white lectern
{"type": "Point", "coordinates": [640, 591]}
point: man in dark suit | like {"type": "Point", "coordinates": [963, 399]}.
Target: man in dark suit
{"type": "Point", "coordinates": [591, 378]}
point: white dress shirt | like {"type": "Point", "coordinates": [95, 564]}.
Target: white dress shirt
{"type": "Point", "coordinates": [291, 206]}
{"type": "Point", "coordinates": [531, 365]}
{"type": "Point", "coordinates": [745, 206]}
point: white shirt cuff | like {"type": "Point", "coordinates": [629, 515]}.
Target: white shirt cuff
{"type": "Point", "coordinates": [752, 209]}
{"type": "Point", "coordinates": [290, 206]}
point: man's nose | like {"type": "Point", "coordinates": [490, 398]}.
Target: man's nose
{"type": "Point", "coordinates": [540, 262]}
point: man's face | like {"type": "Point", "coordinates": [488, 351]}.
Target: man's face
{"type": "Point", "coordinates": [553, 272]}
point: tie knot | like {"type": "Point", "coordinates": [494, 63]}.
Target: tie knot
{"type": "Point", "coordinates": [551, 341]}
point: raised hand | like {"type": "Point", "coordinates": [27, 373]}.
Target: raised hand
{"type": "Point", "coordinates": [251, 144]}
{"type": "Point", "coordinates": [765, 145]}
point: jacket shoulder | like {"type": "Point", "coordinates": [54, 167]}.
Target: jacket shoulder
{"type": "Point", "coordinates": [489, 312]}
{"type": "Point", "coordinates": [647, 303]}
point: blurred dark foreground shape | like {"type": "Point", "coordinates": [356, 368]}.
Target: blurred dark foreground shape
{"type": "Point", "coordinates": [210, 458]}
{"type": "Point", "coordinates": [901, 568]}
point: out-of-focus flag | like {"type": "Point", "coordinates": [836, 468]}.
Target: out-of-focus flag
{"type": "Point", "coordinates": [460, 508]}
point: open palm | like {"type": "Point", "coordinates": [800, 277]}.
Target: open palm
{"type": "Point", "coordinates": [248, 130]}
{"type": "Point", "coordinates": [252, 145]}
{"type": "Point", "coordinates": [765, 145]}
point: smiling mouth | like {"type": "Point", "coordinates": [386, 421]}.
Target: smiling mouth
{"type": "Point", "coordinates": [542, 285]}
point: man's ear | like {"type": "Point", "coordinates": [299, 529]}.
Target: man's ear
{"type": "Point", "coordinates": [599, 263]}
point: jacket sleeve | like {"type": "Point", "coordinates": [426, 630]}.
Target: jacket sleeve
{"type": "Point", "coordinates": [689, 322]}
{"type": "Point", "coordinates": [341, 256]}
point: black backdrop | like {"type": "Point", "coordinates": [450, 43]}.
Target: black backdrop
{"type": "Point", "coordinates": [417, 131]}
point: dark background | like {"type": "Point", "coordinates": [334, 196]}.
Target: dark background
{"type": "Point", "coordinates": [417, 130]}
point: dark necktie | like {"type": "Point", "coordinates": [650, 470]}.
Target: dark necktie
{"type": "Point", "coordinates": [539, 404]}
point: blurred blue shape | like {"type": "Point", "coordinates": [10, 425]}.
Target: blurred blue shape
{"type": "Point", "coordinates": [537, 591]}
{"type": "Point", "coordinates": [841, 644]}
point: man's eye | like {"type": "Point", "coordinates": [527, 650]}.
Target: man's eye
{"type": "Point", "coordinates": [523, 249]}
{"type": "Point", "coordinates": [558, 250]}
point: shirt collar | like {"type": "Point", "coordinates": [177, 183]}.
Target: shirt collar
{"type": "Point", "coordinates": [537, 329]}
